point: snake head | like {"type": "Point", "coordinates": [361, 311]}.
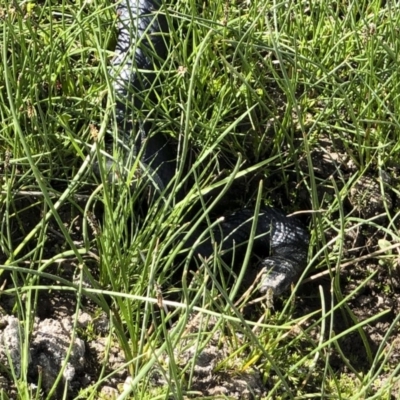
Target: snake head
{"type": "Point", "coordinates": [280, 273]}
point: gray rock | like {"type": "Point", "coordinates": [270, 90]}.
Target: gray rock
{"type": "Point", "coordinates": [10, 344]}
{"type": "Point", "coordinates": [50, 345]}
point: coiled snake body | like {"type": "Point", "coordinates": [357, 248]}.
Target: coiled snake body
{"type": "Point", "coordinates": [140, 38]}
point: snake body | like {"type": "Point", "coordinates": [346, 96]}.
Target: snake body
{"type": "Point", "coordinates": [141, 43]}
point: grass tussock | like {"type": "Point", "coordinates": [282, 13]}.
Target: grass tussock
{"type": "Point", "coordinates": [290, 104]}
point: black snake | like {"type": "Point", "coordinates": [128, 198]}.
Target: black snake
{"type": "Point", "coordinates": [140, 39]}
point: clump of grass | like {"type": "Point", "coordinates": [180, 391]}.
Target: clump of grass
{"type": "Point", "coordinates": [257, 88]}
